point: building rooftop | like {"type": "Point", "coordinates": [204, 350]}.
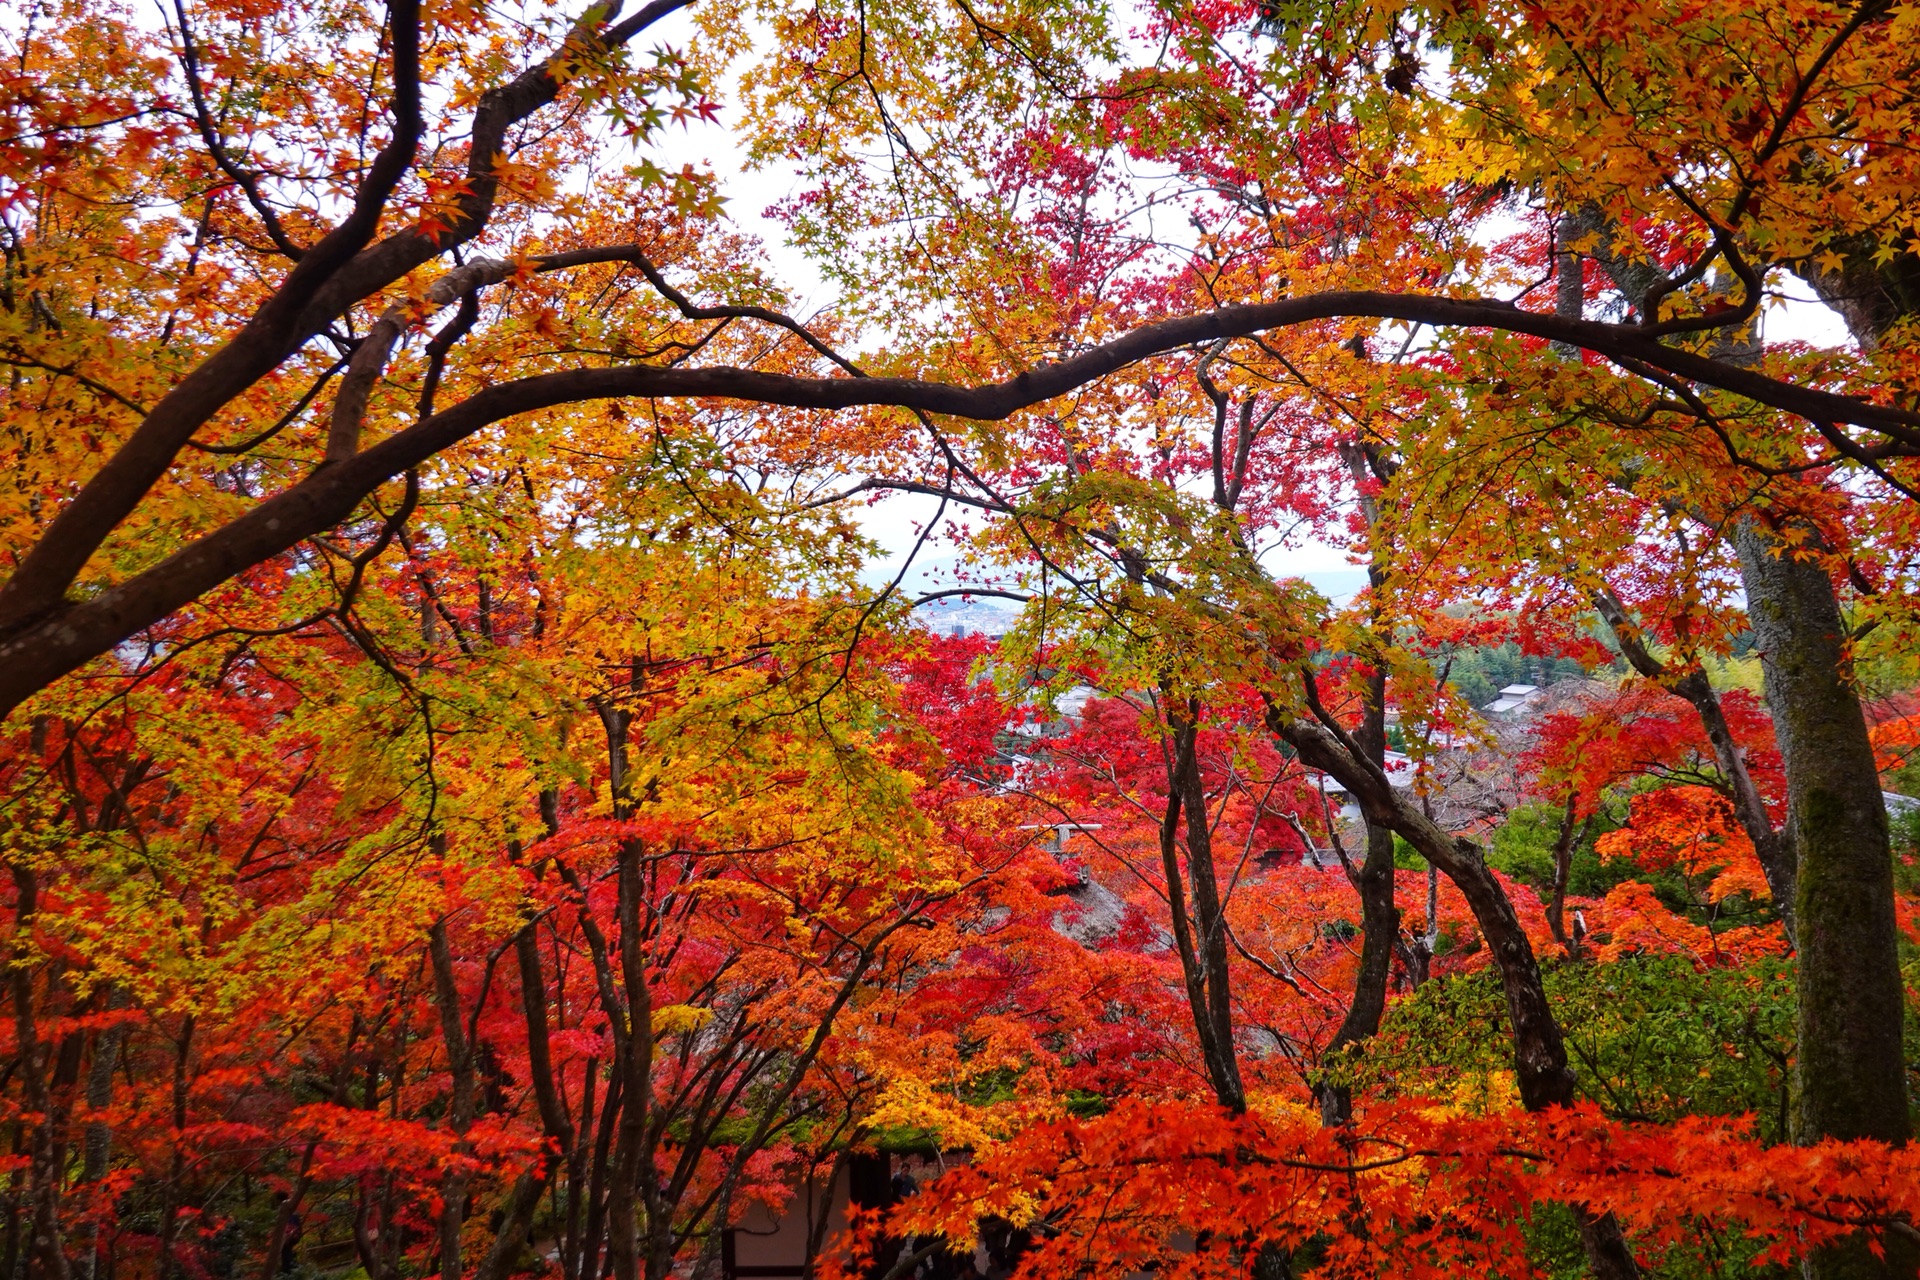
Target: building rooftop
{"type": "Point", "coordinates": [1512, 698]}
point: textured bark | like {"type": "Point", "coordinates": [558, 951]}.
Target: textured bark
{"type": "Point", "coordinates": [1224, 1064]}
{"type": "Point", "coordinates": [627, 1189]}
{"type": "Point", "coordinates": [1842, 874]}
{"type": "Point", "coordinates": [1870, 296]}
{"type": "Point", "coordinates": [533, 1002]}
{"type": "Point", "coordinates": [1833, 860]}
{"type": "Point", "coordinates": [1850, 1073]}
{"type": "Point", "coordinates": [98, 1143]}
{"type": "Point", "coordinates": [1851, 1068]}
{"type": "Point", "coordinates": [106, 1058]}
{"type": "Point", "coordinates": [1380, 928]}
{"type": "Point", "coordinates": [511, 1239]}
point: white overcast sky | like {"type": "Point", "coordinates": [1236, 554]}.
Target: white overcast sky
{"type": "Point", "coordinates": [895, 521]}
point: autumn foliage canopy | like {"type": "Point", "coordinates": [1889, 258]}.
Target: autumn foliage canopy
{"type": "Point", "coordinates": [486, 791]}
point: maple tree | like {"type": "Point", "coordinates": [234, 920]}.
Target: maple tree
{"type": "Point", "coordinates": [466, 813]}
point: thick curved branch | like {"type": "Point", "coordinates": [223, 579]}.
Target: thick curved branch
{"type": "Point", "coordinates": [337, 273]}
{"type": "Point", "coordinates": [996, 401]}
{"type": "Point", "coordinates": [50, 641]}
{"type": "Point", "coordinates": [274, 333]}
{"type": "Point", "coordinates": [370, 357]}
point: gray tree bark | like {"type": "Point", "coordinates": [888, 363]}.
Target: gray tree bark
{"type": "Point", "coordinates": [1850, 1074]}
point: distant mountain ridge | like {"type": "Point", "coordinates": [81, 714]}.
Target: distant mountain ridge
{"type": "Point", "coordinates": [994, 615]}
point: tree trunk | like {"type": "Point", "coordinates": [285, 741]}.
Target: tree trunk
{"type": "Point", "coordinates": [631, 1190]}
{"type": "Point", "coordinates": [1200, 935]}
{"type": "Point", "coordinates": [1850, 1073]}
{"type": "Point", "coordinates": [1379, 919]}
{"type": "Point", "coordinates": [460, 1108]}
{"type": "Point", "coordinates": [46, 1254]}
{"type": "Point", "coordinates": [98, 1143]}
{"type": "Point", "coordinates": [1539, 1051]}
{"type": "Point", "coordinates": [1851, 1070]}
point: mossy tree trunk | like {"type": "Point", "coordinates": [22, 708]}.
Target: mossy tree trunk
{"type": "Point", "coordinates": [1851, 1072]}
{"type": "Point", "coordinates": [1850, 1077]}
